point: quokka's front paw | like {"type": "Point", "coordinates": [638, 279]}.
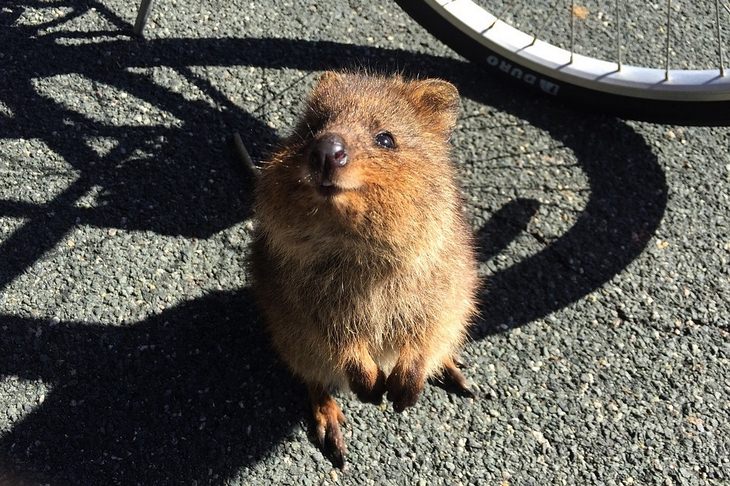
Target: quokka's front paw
{"type": "Point", "coordinates": [404, 385]}
{"type": "Point", "coordinates": [370, 393]}
{"type": "Point", "coordinates": [366, 380]}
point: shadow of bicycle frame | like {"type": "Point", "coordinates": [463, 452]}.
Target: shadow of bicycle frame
{"type": "Point", "coordinates": [195, 393]}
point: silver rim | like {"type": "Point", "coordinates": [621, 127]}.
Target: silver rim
{"type": "Point", "coordinates": [522, 50]}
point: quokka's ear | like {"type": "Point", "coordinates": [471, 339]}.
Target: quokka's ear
{"type": "Point", "coordinates": [327, 80]}
{"type": "Point", "coordinates": [437, 99]}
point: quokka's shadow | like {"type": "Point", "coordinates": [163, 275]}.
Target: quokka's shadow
{"type": "Point", "coordinates": [194, 393]}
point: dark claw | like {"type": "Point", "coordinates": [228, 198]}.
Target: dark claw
{"type": "Point", "coordinates": [402, 400]}
{"type": "Point", "coordinates": [337, 456]}
{"type": "Point", "coordinates": [466, 393]}
{"type": "Point", "coordinates": [374, 395]}
{"type": "Point", "coordinates": [403, 394]}
{"type": "Point", "coordinates": [453, 381]}
{"type": "Point", "coordinates": [333, 445]}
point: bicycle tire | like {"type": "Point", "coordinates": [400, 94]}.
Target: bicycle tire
{"type": "Point", "coordinates": [693, 98]}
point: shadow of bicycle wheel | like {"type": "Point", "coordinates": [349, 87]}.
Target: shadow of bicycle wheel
{"type": "Point", "coordinates": [628, 196]}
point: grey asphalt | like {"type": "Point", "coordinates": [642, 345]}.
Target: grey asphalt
{"type": "Point", "coordinates": [131, 351]}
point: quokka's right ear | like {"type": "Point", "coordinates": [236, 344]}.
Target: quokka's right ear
{"type": "Point", "coordinates": [437, 99]}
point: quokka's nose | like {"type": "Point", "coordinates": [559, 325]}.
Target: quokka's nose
{"type": "Point", "coordinates": [328, 154]}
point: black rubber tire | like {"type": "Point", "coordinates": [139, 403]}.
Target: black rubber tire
{"type": "Point", "coordinates": [659, 111]}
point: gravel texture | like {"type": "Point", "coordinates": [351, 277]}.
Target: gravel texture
{"type": "Point", "coordinates": [130, 350]}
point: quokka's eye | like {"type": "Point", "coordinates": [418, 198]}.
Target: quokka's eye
{"type": "Point", "coordinates": [385, 140]}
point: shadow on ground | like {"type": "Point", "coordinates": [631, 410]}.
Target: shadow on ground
{"type": "Point", "coordinates": [194, 392]}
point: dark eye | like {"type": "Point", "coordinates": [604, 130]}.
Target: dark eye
{"type": "Point", "coordinates": [385, 140]}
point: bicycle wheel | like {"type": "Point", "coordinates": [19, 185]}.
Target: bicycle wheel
{"type": "Point", "coordinates": [658, 94]}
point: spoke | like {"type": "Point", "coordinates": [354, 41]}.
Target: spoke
{"type": "Point", "coordinates": [505, 11]}
{"type": "Point", "coordinates": [719, 37]}
{"type": "Point", "coordinates": [669, 31]}
{"type": "Point", "coordinates": [550, 16]}
{"type": "Point", "coordinates": [618, 34]}
{"type": "Point", "coordinates": [142, 14]}
{"type": "Point", "coordinates": [572, 30]}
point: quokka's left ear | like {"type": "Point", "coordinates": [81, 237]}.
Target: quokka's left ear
{"type": "Point", "coordinates": [438, 100]}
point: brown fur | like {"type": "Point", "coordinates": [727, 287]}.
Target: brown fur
{"type": "Point", "coordinates": [378, 280]}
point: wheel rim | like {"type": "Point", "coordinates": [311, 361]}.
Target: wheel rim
{"type": "Point", "coordinates": [529, 59]}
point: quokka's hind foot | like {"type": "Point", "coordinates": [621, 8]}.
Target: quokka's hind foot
{"type": "Point", "coordinates": [452, 380]}
{"type": "Point", "coordinates": [327, 421]}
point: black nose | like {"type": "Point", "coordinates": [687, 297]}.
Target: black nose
{"type": "Point", "coordinates": [328, 154]}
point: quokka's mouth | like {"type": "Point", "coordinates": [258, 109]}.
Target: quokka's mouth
{"type": "Point", "coordinates": [328, 189]}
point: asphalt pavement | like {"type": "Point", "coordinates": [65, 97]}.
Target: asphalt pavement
{"type": "Point", "coordinates": [131, 351]}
